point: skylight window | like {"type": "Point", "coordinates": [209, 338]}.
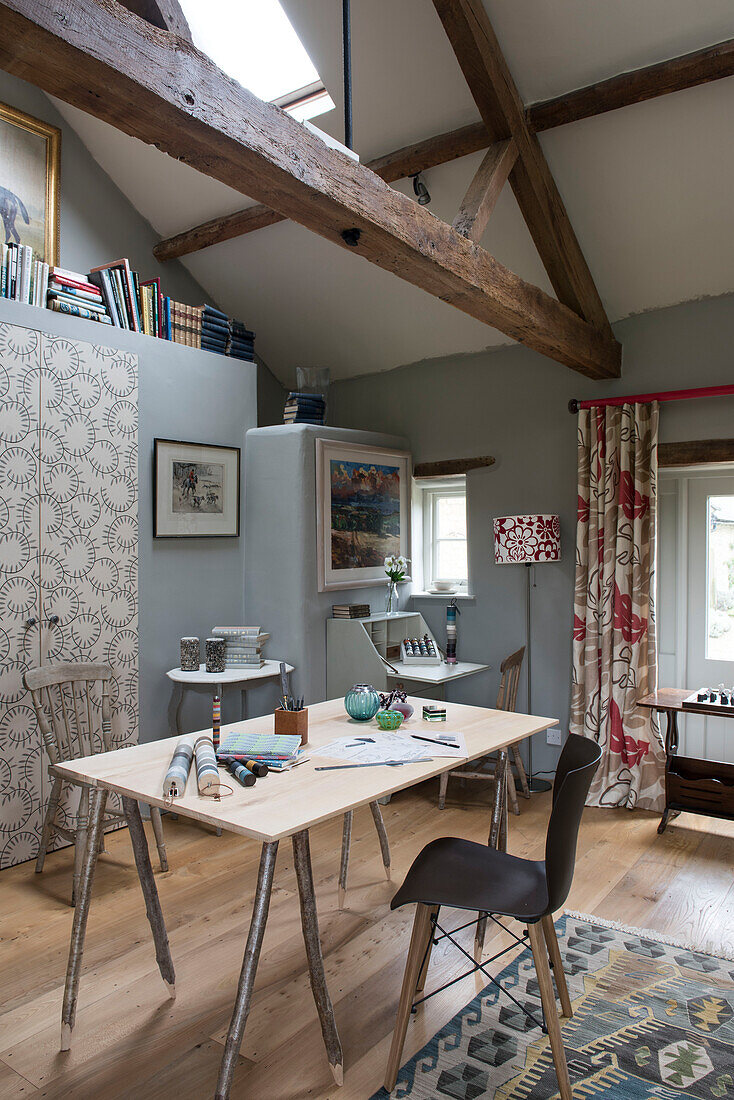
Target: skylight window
{"type": "Point", "coordinates": [255, 44]}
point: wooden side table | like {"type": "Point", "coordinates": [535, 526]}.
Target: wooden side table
{"type": "Point", "coordinates": [691, 784]}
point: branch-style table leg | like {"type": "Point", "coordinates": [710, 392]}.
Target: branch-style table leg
{"type": "Point", "coordinates": [98, 801]}
{"type": "Point", "coordinates": [382, 835]}
{"type": "Point", "coordinates": [255, 935]}
{"type": "Point", "coordinates": [150, 893]}
{"type": "Point", "coordinates": [344, 865]}
{"type": "Point", "coordinates": [497, 836]}
{"type": "Point", "coordinates": [310, 925]}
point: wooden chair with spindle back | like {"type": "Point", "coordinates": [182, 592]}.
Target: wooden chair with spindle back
{"type": "Point", "coordinates": [65, 710]}
{"type": "Point", "coordinates": [484, 767]}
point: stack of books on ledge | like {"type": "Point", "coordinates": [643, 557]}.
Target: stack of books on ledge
{"type": "Point", "coordinates": [214, 330]}
{"type": "Point", "coordinates": [115, 295]}
{"type": "Point", "coordinates": [74, 293]}
{"type": "Point", "coordinates": [350, 610]}
{"type": "Point", "coordinates": [241, 342]}
{"type": "Point", "coordinates": [243, 645]}
{"type": "Point", "coordinates": [182, 323]}
{"type": "Point", "coordinates": [23, 276]}
{"type": "Point", "coordinates": [304, 408]}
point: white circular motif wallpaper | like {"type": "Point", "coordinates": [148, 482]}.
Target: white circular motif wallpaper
{"type": "Point", "coordinates": [68, 547]}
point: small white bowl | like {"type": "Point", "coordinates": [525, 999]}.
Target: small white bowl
{"type": "Point", "coordinates": [443, 586]}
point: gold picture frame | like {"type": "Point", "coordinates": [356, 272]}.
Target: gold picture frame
{"type": "Point", "coordinates": [29, 182]}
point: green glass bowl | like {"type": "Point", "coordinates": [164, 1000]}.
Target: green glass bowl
{"type": "Point", "coordinates": [389, 719]}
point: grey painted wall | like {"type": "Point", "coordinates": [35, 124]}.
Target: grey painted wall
{"type": "Point", "coordinates": [97, 222]}
{"type": "Point", "coordinates": [281, 585]}
{"type": "Point", "coordinates": [512, 403]}
{"type": "Point", "coordinates": [186, 586]}
{"type": "Point", "coordinates": [270, 397]}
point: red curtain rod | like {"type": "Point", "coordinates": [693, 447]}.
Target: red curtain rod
{"type": "Point", "coordinates": [663, 395]}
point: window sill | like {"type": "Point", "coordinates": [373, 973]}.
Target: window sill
{"type": "Point", "coordinates": [442, 596]}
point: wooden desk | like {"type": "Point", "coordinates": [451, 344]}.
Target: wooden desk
{"type": "Point", "coordinates": [691, 784]}
{"type": "Point", "coordinates": [284, 805]}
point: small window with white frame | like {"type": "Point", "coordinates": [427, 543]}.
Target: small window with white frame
{"type": "Point", "coordinates": [444, 532]}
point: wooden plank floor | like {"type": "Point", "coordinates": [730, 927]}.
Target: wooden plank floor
{"type": "Point", "coordinates": [131, 1042]}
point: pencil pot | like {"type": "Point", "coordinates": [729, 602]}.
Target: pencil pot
{"type": "Point", "coordinates": [292, 723]}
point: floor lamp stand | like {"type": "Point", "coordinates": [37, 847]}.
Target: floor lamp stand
{"type": "Point", "coordinates": [535, 785]}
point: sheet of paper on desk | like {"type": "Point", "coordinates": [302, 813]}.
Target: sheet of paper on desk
{"type": "Point", "coordinates": [374, 746]}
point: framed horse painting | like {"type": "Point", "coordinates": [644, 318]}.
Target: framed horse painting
{"type": "Point", "coordinates": [196, 490]}
{"type": "Point", "coordinates": [30, 152]}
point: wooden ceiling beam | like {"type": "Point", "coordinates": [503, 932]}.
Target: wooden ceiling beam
{"type": "Point", "coordinates": [408, 161]}
{"type": "Point", "coordinates": [674, 75]}
{"type": "Point", "coordinates": [99, 57]}
{"type": "Point", "coordinates": [687, 71]}
{"type": "Point", "coordinates": [166, 14]}
{"type": "Point", "coordinates": [481, 60]}
{"type": "Point", "coordinates": [484, 190]}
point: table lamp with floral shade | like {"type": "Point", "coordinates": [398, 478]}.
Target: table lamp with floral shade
{"type": "Point", "coordinates": [528, 540]}
{"type": "Point", "coordinates": [396, 569]}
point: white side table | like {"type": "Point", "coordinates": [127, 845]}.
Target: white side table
{"type": "Point", "coordinates": [214, 683]}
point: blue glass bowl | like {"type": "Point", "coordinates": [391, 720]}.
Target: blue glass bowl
{"type": "Point", "coordinates": [362, 702]}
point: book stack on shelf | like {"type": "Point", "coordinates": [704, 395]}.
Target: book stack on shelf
{"type": "Point", "coordinates": [243, 645]}
{"type": "Point", "coordinates": [119, 287]}
{"type": "Point", "coordinates": [350, 610]}
{"type": "Point", "coordinates": [304, 408]}
{"type": "Point", "coordinates": [214, 330]}
{"type": "Point", "coordinates": [241, 344]}
{"type": "Point", "coordinates": [183, 323]}
{"type": "Point", "coordinates": [115, 295]}
{"type": "Point", "coordinates": [74, 293]}
{"type": "Point", "coordinates": [23, 275]}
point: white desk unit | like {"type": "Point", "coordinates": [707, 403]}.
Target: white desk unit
{"type": "Point", "coordinates": [214, 683]}
{"type": "Point", "coordinates": [355, 648]}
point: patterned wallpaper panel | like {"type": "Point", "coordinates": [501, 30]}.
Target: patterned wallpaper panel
{"type": "Point", "coordinates": [68, 546]}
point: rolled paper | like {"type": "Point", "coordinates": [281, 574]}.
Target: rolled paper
{"type": "Point", "coordinates": [216, 720]}
{"type": "Point", "coordinates": [241, 773]}
{"type": "Point", "coordinates": [207, 773]}
{"type": "Point", "coordinates": [174, 783]}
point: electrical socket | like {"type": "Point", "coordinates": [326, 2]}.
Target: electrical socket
{"type": "Point", "coordinates": [553, 737]}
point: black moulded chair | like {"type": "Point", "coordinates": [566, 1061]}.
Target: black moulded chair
{"type": "Point", "coordinates": [465, 875]}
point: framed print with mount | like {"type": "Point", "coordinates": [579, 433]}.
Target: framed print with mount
{"type": "Point", "coordinates": [362, 512]}
{"type": "Point", "coordinates": [196, 490]}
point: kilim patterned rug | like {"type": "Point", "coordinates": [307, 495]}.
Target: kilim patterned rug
{"type": "Point", "coordinates": [652, 1021]}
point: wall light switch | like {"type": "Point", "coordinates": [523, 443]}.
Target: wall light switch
{"type": "Point", "coordinates": [553, 737]}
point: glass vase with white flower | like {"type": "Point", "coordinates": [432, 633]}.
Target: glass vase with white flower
{"type": "Point", "coordinates": [396, 568]}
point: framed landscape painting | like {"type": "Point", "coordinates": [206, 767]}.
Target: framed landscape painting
{"type": "Point", "coordinates": [29, 183]}
{"type": "Point", "coordinates": [363, 512]}
{"type": "Point", "coordinates": [196, 490]}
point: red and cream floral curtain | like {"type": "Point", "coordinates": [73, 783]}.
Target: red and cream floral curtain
{"type": "Point", "coordinates": [614, 652]}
